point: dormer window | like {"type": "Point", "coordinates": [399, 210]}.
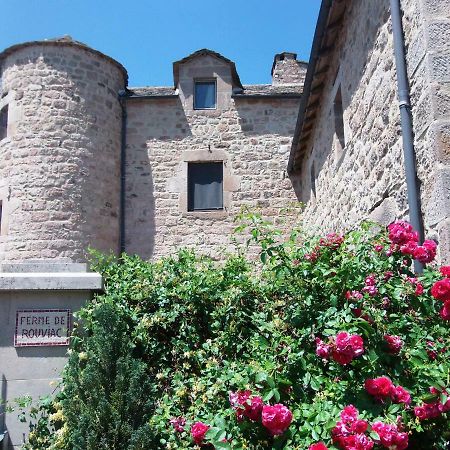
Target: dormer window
{"type": "Point", "coordinates": [205, 94]}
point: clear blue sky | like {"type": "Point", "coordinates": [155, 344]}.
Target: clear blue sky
{"type": "Point", "coordinates": [146, 36]}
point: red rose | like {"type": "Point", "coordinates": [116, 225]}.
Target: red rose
{"type": "Point", "coordinates": [400, 395]}
{"type": "Point", "coordinates": [441, 290]}
{"type": "Point", "coordinates": [198, 432]}
{"type": "Point", "coordinates": [394, 344]}
{"type": "Point", "coordinates": [445, 271]}
{"type": "Point", "coordinates": [349, 413]}
{"type": "Point", "coordinates": [401, 232]}
{"type": "Point", "coordinates": [246, 405]}
{"type": "Point", "coordinates": [390, 436]}
{"type": "Point", "coordinates": [276, 418]}
{"type": "Point", "coordinates": [318, 446]}
{"type": "Point", "coordinates": [426, 252]}
{"type": "Point", "coordinates": [445, 311]}
{"type": "Point", "coordinates": [379, 387]}
{"type": "Point", "coordinates": [419, 289]}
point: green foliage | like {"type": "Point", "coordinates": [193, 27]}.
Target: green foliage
{"type": "Point", "coordinates": [173, 338]}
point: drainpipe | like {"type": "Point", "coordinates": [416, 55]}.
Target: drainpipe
{"type": "Point", "coordinates": [412, 182]}
{"type": "Point", "coordinates": [123, 144]}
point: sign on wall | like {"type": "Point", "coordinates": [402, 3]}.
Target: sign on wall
{"type": "Point", "coordinates": [42, 327]}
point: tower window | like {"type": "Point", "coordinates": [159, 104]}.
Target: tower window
{"type": "Point", "coordinates": [3, 122]}
{"type": "Point", "coordinates": [205, 186]}
{"type": "Point", "coordinates": [205, 94]}
{"type": "Point", "coordinates": [339, 118]}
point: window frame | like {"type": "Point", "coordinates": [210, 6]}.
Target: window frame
{"type": "Point", "coordinates": [205, 81]}
{"type": "Point", "coordinates": [190, 201]}
{"type": "Point", "coordinates": [4, 116]}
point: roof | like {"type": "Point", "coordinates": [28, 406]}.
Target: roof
{"type": "Point", "coordinates": [329, 23]}
{"type": "Point", "coordinates": [206, 52]}
{"type": "Point", "coordinates": [268, 90]}
{"type": "Point", "coordinates": [63, 41]}
{"type": "Point", "coordinates": [151, 91]}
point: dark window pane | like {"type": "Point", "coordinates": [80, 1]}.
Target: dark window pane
{"type": "Point", "coordinates": [3, 122]}
{"type": "Point", "coordinates": [205, 95]}
{"type": "Point", "coordinates": [205, 186]}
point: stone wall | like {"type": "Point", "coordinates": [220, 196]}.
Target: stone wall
{"type": "Point", "coordinates": [251, 136]}
{"type": "Point", "coordinates": [59, 164]}
{"type": "Point", "coordinates": [343, 184]}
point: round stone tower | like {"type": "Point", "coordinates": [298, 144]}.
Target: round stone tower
{"type": "Point", "coordinates": [60, 151]}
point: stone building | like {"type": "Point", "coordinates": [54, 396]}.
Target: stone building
{"type": "Point", "coordinates": [88, 161]}
{"type": "Point", "coordinates": [347, 161]}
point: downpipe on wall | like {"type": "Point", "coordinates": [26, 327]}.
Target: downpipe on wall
{"type": "Point", "coordinates": [412, 182]}
{"type": "Point", "coordinates": [123, 144]}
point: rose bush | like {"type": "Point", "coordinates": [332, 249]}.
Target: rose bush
{"type": "Point", "coordinates": [332, 343]}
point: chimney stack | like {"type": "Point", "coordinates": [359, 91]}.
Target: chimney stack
{"type": "Point", "coordinates": [287, 70]}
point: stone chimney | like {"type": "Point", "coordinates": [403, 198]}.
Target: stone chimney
{"type": "Point", "coordinates": [287, 70]}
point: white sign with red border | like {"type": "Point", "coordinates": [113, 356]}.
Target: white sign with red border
{"type": "Point", "coordinates": [42, 327]}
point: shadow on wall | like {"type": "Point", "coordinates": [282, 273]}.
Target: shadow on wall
{"type": "Point", "coordinates": [260, 117]}
{"type": "Point", "coordinates": [156, 129]}
{"type": "Point", "coordinates": [305, 180]}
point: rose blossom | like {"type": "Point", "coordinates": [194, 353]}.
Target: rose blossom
{"type": "Point", "coordinates": [390, 436]}
{"type": "Point", "coordinates": [198, 432]}
{"type": "Point", "coordinates": [276, 418]}
{"type": "Point", "coordinates": [394, 343]}
{"type": "Point", "coordinates": [426, 252]}
{"type": "Point", "coordinates": [178, 423]}
{"type": "Point", "coordinates": [318, 446]}
{"type": "Point", "coordinates": [441, 290]}
{"type": "Point", "coordinates": [445, 311]}
{"type": "Point", "coordinates": [400, 395]}
{"type": "Point", "coordinates": [445, 271]}
{"type": "Point", "coordinates": [402, 232]}
{"type": "Point", "coordinates": [378, 248]}
{"type": "Point", "coordinates": [379, 387]}
{"type": "Point", "coordinates": [349, 431]}
{"type": "Point", "coordinates": [347, 347]}
{"type": "Point", "coordinates": [323, 350]}
{"type": "Point", "coordinates": [246, 405]}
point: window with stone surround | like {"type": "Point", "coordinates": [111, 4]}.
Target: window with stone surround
{"type": "Point", "coordinates": [3, 122]}
{"type": "Point", "coordinates": [205, 186]}
{"type": "Point", "coordinates": [313, 179]}
{"type": "Point", "coordinates": [339, 118]}
{"type": "Point", "coordinates": [205, 94]}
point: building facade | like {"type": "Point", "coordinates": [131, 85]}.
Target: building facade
{"type": "Point", "coordinates": [88, 161]}
{"type": "Point", "coordinates": [347, 160]}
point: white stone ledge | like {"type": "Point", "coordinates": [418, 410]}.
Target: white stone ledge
{"type": "Point", "coordinates": [15, 281]}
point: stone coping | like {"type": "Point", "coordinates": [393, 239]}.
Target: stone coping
{"type": "Point", "coordinates": [31, 281]}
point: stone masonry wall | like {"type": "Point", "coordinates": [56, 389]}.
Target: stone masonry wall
{"type": "Point", "coordinates": [59, 165]}
{"type": "Point", "coordinates": [251, 136]}
{"type": "Point", "coordinates": [365, 178]}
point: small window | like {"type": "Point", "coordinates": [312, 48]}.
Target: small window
{"type": "Point", "coordinates": [205, 186]}
{"type": "Point", "coordinates": [3, 122]}
{"type": "Point", "coordinates": [205, 95]}
{"type": "Point", "coordinates": [1, 215]}
{"type": "Point", "coordinates": [313, 179]}
{"type": "Point", "coordinates": [339, 118]}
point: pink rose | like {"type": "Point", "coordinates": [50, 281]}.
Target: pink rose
{"type": "Point", "coordinates": [426, 252]}
{"type": "Point", "coordinates": [276, 418]}
{"type": "Point", "coordinates": [349, 413]}
{"type": "Point", "coordinates": [445, 311]}
{"type": "Point", "coordinates": [198, 432]}
{"type": "Point", "coordinates": [441, 290]}
{"type": "Point", "coordinates": [390, 436]}
{"type": "Point", "coordinates": [323, 350]}
{"type": "Point", "coordinates": [246, 405]}
{"type": "Point", "coordinates": [394, 344]}
{"type": "Point", "coordinates": [419, 289]}
{"type": "Point", "coordinates": [445, 271]}
{"type": "Point", "coordinates": [401, 232]}
{"type": "Point", "coordinates": [379, 387]}
{"type": "Point", "coordinates": [178, 423]}
{"type": "Point", "coordinates": [400, 395]}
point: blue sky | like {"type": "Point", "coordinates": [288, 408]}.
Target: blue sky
{"type": "Point", "coordinates": [146, 36]}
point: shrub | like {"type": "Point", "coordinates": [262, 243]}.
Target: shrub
{"type": "Point", "coordinates": [333, 342]}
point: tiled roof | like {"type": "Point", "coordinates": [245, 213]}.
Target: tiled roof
{"type": "Point", "coordinates": [150, 91]}
{"type": "Point", "coordinates": [267, 90]}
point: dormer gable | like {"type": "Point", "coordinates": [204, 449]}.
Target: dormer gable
{"type": "Point", "coordinates": [206, 80]}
